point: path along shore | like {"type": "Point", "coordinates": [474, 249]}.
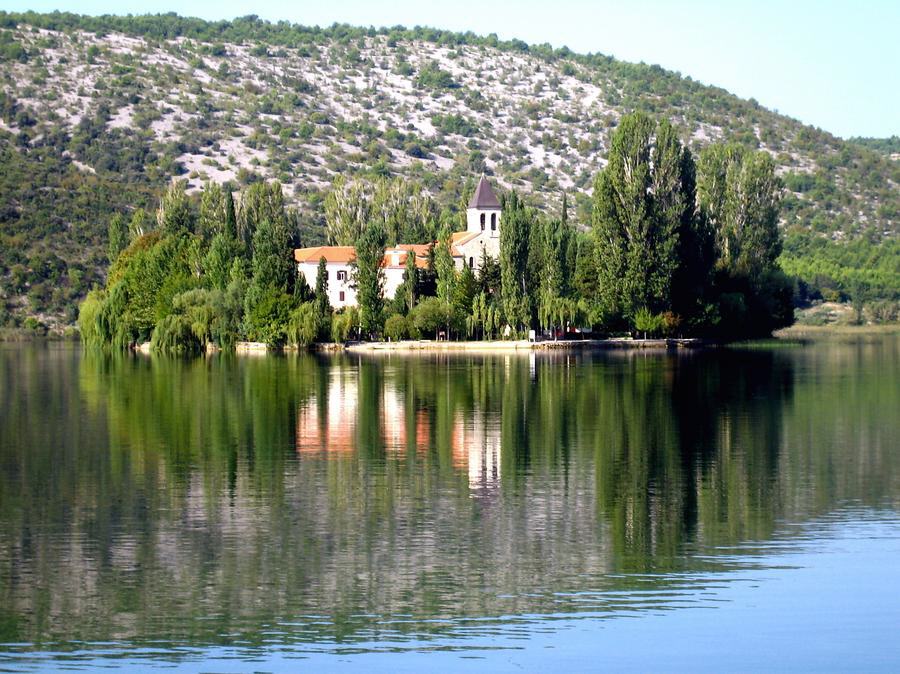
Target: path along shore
{"type": "Point", "coordinates": [505, 346]}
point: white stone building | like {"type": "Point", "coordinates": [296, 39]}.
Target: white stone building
{"type": "Point", "coordinates": [482, 235]}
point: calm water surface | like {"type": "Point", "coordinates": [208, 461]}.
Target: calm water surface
{"type": "Point", "coordinates": [731, 510]}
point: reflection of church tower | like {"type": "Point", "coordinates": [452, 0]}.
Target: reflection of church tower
{"type": "Point", "coordinates": [483, 213]}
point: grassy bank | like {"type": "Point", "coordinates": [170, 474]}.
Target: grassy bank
{"type": "Point", "coordinates": [825, 332]}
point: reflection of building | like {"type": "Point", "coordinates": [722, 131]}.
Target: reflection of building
{"type": "Point", "coordinates": [329, 423]}
{"type": "Point", "coordinates": [476, 447]}
{"type": "Point", "coordinates": [396, 423]}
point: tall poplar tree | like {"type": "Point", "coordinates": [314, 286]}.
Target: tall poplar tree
{"type": "Point", "coordinates": [369, 277]}
{"type": "Point", "coordinates": [638, 205]}
{"type": "Point", "coordinates": [212, 211]}
{"type": "Point", "coordinates": [444, 268]}
{"type": "Point", "coordinates": [514, 237]}
{"type": "Point", "coordinates": [739, 195]}
{"type": "Point", "coordinates": [261, 202]}
{"type": "Point", "coordinates": [174, 215]}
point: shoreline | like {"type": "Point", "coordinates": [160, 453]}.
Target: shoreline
{"type": "Point", "coordinates": [506, 346]}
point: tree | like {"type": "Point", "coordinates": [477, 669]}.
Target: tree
{"type": "Point", "coordinates": [646, 321]}
{"type": "Point", "coordinates": [212, 218]}
{"type": "Point", "coordinates": [217, 263]}
{"type": "Point", "coordinates": [230, 224]}
{"type": "Point", "coordinates": [140, 224]}
{"type": "Point", "coordinates": [738, 194]}
{"type": "Point", "coordinates": [514, 235]}
{"type": "Point", "coordinates": [261, 202]}
{"type": "Point", "coordinates": [638, 205]}
{"type": "Point", "coordinates": [751, 233]}
{"type": "Point", "coordinates": [174, 214]}
{"type": "Point", "coordinates": [207, 314]}
{"type": "Point", "coordinates": [584, 282]}
{"type": "Point", "coordinates": [267, 313]}
{"type": "Point", "coordinates": [323, 306]}
{"type": "Point", "coordinates": [118, 236]}
{"type": "Point", "coordinates": [430, 315]}
{"type": "Point", "coordinates": [369, 278]}
{"type": "Point", "coordinates": [692, 280]}
{"type": "Point", "coordinates": [489, 274]}
{"type": "Point", "coordinates": [400, 205]}
{"type": "Point", "coordinates": [304, 325]}
{"type": "Point", "coordinates": [344, 324]}
{"type": "Point", "coordinates": [445, 268]}
{"type": "Point", "coordinates": [347, 208]}
{"type": "Point", "coordinates": [464, 291]}
{"type": "Point", "coordinates": [552, 240]}
{"type": "Point", "coordinates": [173, 336]}
{"type": "Point", "coordinates": [410, 280]}
{"type": "Point", "coordinates": [405, 209]}
{"type": "Point", "coordinates": [396, 327]}
{"type": "Point", "coordinates": [715, 164]}
{"type": "Point", "coordinates": [271, 263]}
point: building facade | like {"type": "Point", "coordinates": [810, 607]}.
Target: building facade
{"type": "Point", "coordinates": [481, 237]}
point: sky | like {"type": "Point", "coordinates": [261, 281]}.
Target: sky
{"type": "Point", "coordinates": [835, 65]}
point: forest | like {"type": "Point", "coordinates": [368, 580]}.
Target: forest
{"type": "Point", "coordinates": [677, 246]}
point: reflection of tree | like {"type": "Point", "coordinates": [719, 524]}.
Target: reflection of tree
{"type": "Point", "coordinates": [139, 495]}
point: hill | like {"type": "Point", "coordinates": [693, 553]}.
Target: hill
{"type": "Point", "coordinates": [98, 113]}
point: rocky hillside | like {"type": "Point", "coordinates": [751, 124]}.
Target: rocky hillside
{"type": "Point", "coordinates": [96, 115]}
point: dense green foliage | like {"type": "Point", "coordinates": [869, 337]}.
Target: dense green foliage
{"type": "Point", "coordinates": [182, 292]}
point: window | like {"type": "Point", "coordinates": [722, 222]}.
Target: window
{"type": "Point", "coordinates": [471, 263]}
{"type": "Point", "coordinates": [342, 275]}
{"type": "Point", "coordinates": [482, 222]}
{"type": "Point", "coordinates": [493, 222]}
{"type": "Point", "coordinates": [341, 296]}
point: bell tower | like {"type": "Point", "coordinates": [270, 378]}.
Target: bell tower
{"type": "Point", "coordinates": [483, 213]}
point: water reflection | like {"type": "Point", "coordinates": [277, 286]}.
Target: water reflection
{"type": "Point", "coordinates": [352, 499]}
{"type": "Point", "coordinates": [328, 426]}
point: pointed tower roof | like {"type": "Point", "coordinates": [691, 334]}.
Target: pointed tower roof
{"type": "Point", "coordinates": [484, 196]}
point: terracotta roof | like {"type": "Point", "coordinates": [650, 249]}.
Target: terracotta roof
{"type": "Point", "coordinates": [330, 253]}
{"type": "Point", "coordinates": [421, 260]}
{"type": "Point", "coordinates": [459, 238]}
{"type": "Point", "coordinates": [420, 248]}
{"type": "Point", "coordinates": [484, 196]}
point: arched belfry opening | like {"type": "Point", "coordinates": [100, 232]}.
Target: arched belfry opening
{"type": "Point", "coordinates": [484, 207]}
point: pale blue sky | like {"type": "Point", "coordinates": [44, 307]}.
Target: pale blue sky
{"type": "Point", "coordinates": [832, 64]}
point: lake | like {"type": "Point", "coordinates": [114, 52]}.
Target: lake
{"type": "Point", "coordinates": [715, 510]}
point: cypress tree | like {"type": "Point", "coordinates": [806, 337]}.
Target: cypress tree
{"type": "Point", "coordinates": [118, 236]}
{"type": "Point", "coordinates": [323, 307]}
{"type": "Point", "coordinates": [410, 280]}
{"type": "Point", "coordinates": [230, 215]}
